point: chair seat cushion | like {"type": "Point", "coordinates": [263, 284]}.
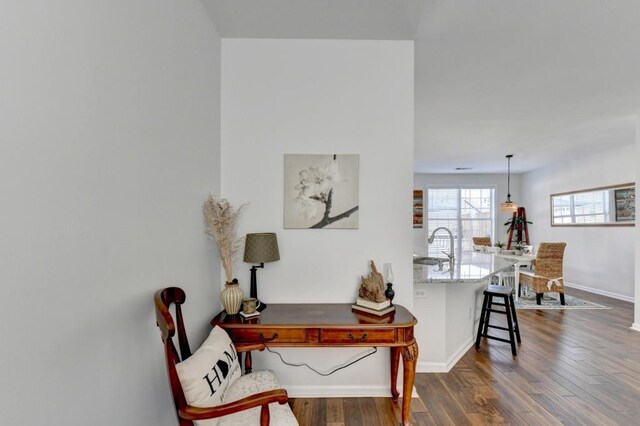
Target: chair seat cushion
{"type": "Point", "coordinates": [541, 284]}
{"type": "Point", "coordinates": [527, 278]}
{"type": "Point", "coordinates": [260, 381]}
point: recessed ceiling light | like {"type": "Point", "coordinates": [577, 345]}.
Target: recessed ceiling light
{"type": "Point", "coordinates": [464, 168]}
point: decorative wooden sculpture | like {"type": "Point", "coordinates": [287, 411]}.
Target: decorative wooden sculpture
{"type": "Point", "coordinates": [372, 287]}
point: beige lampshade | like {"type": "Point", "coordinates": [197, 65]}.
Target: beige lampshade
{"type": "Point", "coordinates": [508, 206]}
{"type": "Point", "coordinates": [261, 248]}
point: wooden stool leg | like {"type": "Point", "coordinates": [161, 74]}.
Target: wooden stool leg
{"type": "Point", "coordinates": [481, 323]}
{"type": "Point", "coordinates": [488, 315]}
{"type": "Point", "coordinates": [515, 318]}
{"type": "Point", "coordinates": [510, 326]}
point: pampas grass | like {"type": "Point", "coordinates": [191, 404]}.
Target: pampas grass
{"type": "Point", "coordinates": [221, 218]}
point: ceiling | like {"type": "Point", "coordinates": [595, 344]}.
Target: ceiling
{"type": "Point", "coordinates": [543, 80]}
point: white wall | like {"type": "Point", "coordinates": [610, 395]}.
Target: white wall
{"type": "Point", "coordinates": [109, 127]}
{"type": "Point", "coordinates": [636, 322]}
{"type": "Point", "coordinates": [499, 181]}
{"type": "Point", "coordinates": [600, 259]}
{"type": "Point", "coordinates": [322, 97]}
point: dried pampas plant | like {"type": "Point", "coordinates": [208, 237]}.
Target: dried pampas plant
{"type": "Point", "coordinates": [221, 218]}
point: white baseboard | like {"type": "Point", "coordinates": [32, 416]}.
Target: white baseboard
{"type": "Point", "coordinates": [445, 367]}
{"type": "Point", "coordinates": [601, 292]}
{"type": "Point", "coordinates": [635, 326]}
{"type": "Point", "coordinates": [431, 367]}
{"type": "Point", "coordinates": [301, 391]}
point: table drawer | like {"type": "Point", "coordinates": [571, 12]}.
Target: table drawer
{"type": "Point", "coordinates": [382, 335]}
{"type": "Point", "coordinates": [269, 335]}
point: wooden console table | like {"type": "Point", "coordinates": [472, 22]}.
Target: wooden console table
{"type": "Point", "coordinates": [331, 325]}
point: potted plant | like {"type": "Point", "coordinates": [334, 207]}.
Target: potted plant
{"type": "Point", "coordinates": [519, 247]}
{"type": "Point", "coordinates": [220, 219]}
{"type": "Point", "coordinates": [499, 246]}
{"type": "Point", "coordinates": [517, 225]}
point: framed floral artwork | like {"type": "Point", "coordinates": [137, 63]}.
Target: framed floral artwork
{"type": "Point", "coordinates": [625, 204]}
{"type": "Point", "coordinates": [321, 191]}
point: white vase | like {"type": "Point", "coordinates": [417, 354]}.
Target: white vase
{"type": "Point", "coordinates": [231, 298]}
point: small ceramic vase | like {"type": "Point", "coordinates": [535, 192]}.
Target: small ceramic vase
{"type": "Point", "coordinates": [231, 298]}
{"type": "Point", "coordinates": [389, 293]}
{"type": "Point", "coordinates": [388, 275]}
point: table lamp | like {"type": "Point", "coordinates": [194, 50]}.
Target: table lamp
{"type": "Point", "coordinates": [260, 248]}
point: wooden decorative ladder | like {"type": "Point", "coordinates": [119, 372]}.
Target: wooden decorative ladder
{"type": "Point", "coordinates": [519, 229]}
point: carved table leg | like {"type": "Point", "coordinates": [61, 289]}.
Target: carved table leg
{"type": "Point", "coordinates": [247, 363]}
{"type": "Point", "coordinates": [395, 359]}
{"type": "Point", "coordinates": [409, 358]}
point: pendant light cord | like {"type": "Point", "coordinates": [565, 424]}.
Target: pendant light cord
{"type": "Point", "coordinates": [509, 177]}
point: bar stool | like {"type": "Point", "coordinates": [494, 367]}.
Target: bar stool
{"type": "Point", "coordinates": [506, 293]}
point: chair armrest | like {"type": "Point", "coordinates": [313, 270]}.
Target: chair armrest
{"type": "Point", "coordinates": [250, 347]}
{"type": "Point", "coordinates": [256, 400]}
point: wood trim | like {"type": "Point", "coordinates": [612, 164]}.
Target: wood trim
{"type": "Point", "coordinates": [598, 188]}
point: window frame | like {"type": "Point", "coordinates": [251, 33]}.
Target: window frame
{"type": "Point", "coordinates": [458, 242]}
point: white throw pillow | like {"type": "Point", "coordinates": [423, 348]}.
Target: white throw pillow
{"type": "Point", "coordinates": [207, 374]}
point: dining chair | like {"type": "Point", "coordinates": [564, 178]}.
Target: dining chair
{"type": "Point", "coordinates": [547, 276]}
{"type": "Point", "coordinates": [480, 243]}
{"type": "Point", "coordinates": [207, 386]}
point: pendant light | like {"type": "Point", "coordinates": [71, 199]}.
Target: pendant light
{"type": "Point", "coordinates": [508, 206]}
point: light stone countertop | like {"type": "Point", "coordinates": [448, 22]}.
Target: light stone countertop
{"type": "Point", "coordinates": [471, 267]}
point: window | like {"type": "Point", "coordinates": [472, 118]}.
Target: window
{"type": "Point", "coordinates": [466, 212]}
{"type": "Point", "coordinates": [582, 208]}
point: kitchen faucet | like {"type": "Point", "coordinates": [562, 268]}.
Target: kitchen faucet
{"type": "Point", "coordinates": [449, 255]}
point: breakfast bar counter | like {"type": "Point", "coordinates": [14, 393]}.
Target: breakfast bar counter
{"type": "Point", "coordinates": [471, 267]}
{"type": "Point", "coordinates": [447, 303]}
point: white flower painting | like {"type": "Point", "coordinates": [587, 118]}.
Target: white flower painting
{"type": "Point", "coordinates": [321, 191]}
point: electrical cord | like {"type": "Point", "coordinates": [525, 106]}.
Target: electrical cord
{"type": "Point", "coordinates": [348, 363]}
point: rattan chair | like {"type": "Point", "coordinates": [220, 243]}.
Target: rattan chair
{"type": "Point", "coordinates": [547, 276]}
{"type": "Point", "coordinates": [479, 243]}
{"type": "Point", "coordinates": [482, 241]}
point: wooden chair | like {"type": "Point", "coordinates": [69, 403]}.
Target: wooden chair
{"type": "Point", "coordinates": [186, 413]}
{"type": "Point", "coordinates": [547, 276]}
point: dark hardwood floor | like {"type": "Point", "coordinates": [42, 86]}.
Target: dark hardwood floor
{"type": "Point", "coordinates": [574, 367]}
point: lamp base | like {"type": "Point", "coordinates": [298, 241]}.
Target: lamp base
{"type": "Point", "coordinates": [260, 306]}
